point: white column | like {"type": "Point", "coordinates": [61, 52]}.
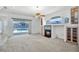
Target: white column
{"type": "Point", "coordinates": [42, 18]}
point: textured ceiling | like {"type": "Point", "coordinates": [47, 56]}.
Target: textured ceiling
{"type": "Point", "coordinates": [31, 10]}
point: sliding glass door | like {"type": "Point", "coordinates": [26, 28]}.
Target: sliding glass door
{"type": "Point", "coordinates": [21, 26]}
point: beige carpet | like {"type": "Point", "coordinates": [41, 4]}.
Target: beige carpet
{"type": "Point", "coordinates": [37, 43]}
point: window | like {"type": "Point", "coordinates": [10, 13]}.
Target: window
{"type": "Point", "coordinates": [58, 20]}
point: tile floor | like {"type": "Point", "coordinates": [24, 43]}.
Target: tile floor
{"type": "Point", "coordinates": [37, 43]}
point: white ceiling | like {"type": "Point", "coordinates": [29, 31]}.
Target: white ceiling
{"type": "Point", "coordinates": [31, 10]}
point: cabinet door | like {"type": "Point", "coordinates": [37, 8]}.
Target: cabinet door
{"type": "Point", "coordinates": [74, 34]}
{"type": "Point", "coordinates": [68, 34]}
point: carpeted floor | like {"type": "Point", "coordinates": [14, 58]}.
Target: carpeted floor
{"type": "Point", "coordinates": [37, 43]}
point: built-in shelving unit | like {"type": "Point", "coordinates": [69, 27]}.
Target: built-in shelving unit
{"type": "Point", "coordinates": [72, 28]}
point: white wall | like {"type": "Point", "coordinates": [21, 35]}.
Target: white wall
{"type": "Point", "coordinates": [36, 26]}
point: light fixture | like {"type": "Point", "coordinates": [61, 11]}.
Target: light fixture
{"type": "Point", "coordinates": [39, 15]}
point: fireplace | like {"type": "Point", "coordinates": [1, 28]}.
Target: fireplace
{"type": "Point", "coordinates": [47, 31]}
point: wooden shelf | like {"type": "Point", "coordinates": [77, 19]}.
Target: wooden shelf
{"type": "Point", "coordinates": [72, 34]}
{"type": "Point", "coordinates": [74, 15]}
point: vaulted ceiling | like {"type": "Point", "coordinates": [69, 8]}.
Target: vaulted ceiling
{"type": "Point", "coordinates": [31, 10]}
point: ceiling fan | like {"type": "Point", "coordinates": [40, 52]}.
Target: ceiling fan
{"type": "Point", "coordinates": [39, 12]}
